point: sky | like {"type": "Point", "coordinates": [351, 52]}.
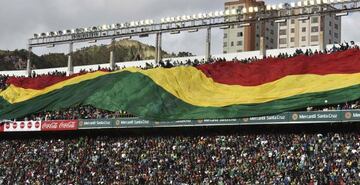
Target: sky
{"type": "Point", "coordinates": [20, 19]}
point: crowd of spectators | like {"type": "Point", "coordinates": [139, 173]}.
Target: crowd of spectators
{"type": "Point", "coordinates": [78, 112]}
{"type": "Point", "coordinates": [310, 159]}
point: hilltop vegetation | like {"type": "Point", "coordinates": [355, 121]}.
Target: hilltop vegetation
{"type": "Point", "coordinates": [125, 50]}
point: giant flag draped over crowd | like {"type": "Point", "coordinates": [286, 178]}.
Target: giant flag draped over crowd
{"type": "Point", "coordinates": [217, 90]}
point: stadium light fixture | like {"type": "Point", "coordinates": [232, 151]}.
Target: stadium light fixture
{"type": "Point", "coordinates": [172, 19]}
{"type": "Point", "coordinates": [299, 4]}
{"type": "Point", "coordinates": [332, 1]}
{"type": "Point", "coordinates": [342, 14]}
{"type": "Point", "coordinates": [325, 1]}
{"type": "Point", "coordinates": [256, 9]}
{"type": "Point", "coordinates": [306, 3]}
{"type": "Point", "coordinates": [210, 14]}
{"type": "Point", "coordinates": [280, 6]}
{"type": "Point", "coordinates": [217, 14]}
{"type": "Point", "coordinates": [227, 12]}
{"type": "Point", "coordinates": [194, 17]}
{"type": "Point", "coordinates": [312, 2]}
{"type": "Point", "coordinates": [183, 18]}
{"type": "Point", "coordinates": [318, 1]}
{"type": "Point", "coordinates": [233, 11]}
{"type": "Point", "coordinates": [178, 18]}
{"type": "Point", "coordinates": [188, 17]}
{"type": "Point", "coordinates": [251, 9]}
{"type": "Point", "coordinates": [221, 13]}
{"type": "Point", "coordinates": [73, 31]}
{"type": "Point", "coordinates": [244, 24]}
{"type": "Point", "coordinates": [268, 7]}
{"type": "Point", "coordinates": [293, 4]}
{"type": "Point", "coordinates": [200, 16]}
{"type": "Point", "coordinates": [280, 21]}
{"type": "Point", "coordinates": [244, 10]}
{"type": "Point", "coordinates": [273, 7]}
{"type": "Point", "coordinates": [162, 20]}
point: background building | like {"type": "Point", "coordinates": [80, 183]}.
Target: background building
{"type": "Point", "coordinates": [300, 33]}
{"type": "Point", "coordinates": [238, 38]}
{"type": "Point", "coordinates": [287, 34]}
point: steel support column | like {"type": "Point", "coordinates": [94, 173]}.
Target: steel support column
{"type": "Point", "coordinates": [208, 44]}
{"type": "Point", "coordinates": [28, 63]}
{"type": "Point", "coordinates": [70, 69]}
{"type": "Point", "coordinates": [159, 53]}
{"type": "Point", "coordinates": [112, 57]}
{"type": "Point", "coordinates": [262, 40]}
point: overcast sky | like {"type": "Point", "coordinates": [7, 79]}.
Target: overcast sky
{"type": "Point", "coordinates": [19, 19]}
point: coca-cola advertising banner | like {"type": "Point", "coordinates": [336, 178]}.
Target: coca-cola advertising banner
{"type": "Point", "coordinates": [59, 125]}
{"type": "Point", "coordinates": [1, 127]}
{"type": "Point", "coordinates": [22, 126]}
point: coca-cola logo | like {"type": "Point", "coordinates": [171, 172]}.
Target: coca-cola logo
{"type": "Point", "coordinates": [22, 125]}
{"type": "Point", "coordinates": [59, 125]}
{"type": "Point", "coordinates": [51, 125]}
{"type": "Point", "coordinates": [29, 124]}
{"type": "Point", "coordinates": [14, 125]}
{"type": "Point", "coordinates": [37, 124]}
{"type": "Point", "coordinates": [7, 125]}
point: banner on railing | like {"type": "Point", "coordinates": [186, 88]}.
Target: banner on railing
{"type": "Point", "coordinates": [289, 117]}
{"type": "Point", "coordinates": [22, 126]}
{"type": "Point", "coordinates": [59, 125]}
{"type": "Point", "coordinates": [285, 118]}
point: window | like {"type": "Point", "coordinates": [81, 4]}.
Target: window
{"type": "Point", "coordinates": [240, 34]}
{"type": "Point", "coordinates": [303, 38]}
{"type": "Point", "coordinates": [225, 35]}
{"type": "Point", "coordinates": [225, 52]}
{"type": "Point", "coordinates": [330, 41]}
{"type": "Point", "coordinates": [225, 44]}
{"type": "Point", "coordinates": [271, 40]}
{"type": "Point", "coordinates": [292, 39]}
{"type": "Point", "coordinates": [282, 32]}
{"type": "Point", "coordinates": [314, 19]}
{"type": "Point", "coordinates": [239, 50]}
{"type": "Point", "coordinates": [282, 41]}
{"type": "Point", "coordinates": [239, 43]}
{"type": "Point", "coordinates": [303, 29]}
{"type": "Point", "coordinates": [232, 27]}
{"type": "Point", "coordinates": [314, 38]}
{"type": "Point", "coordinates": [329, 32]}
{"type": "Point", "coordinates": [292, 30]}
{"type": "Point", "coordinates": [292, 21]}
{"type": "Point", "coordinates": [314, 29]}
{"type": "Point", "coordinates": [232, 43]}
{"type": "Point", "coordinates": [303, 21]}
{"type": "Point", "coordinates": [336, 35]}
{"type": "Point", "coordinates": [336, 26]}
{"type": "Point", "coordinates": [330, 23]}
{"type": "Point", "coordinates": [272, 32]}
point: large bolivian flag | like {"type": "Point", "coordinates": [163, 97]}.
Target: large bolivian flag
{"type": "Point", "coordinates": [220, 90]}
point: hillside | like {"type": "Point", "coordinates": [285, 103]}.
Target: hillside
{"type": "Point", "coordinates": [125, 50]}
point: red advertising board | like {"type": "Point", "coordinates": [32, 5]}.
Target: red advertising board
{"type": "Point", "coordinates": [22, 126]}
{"type": "Point", "coordinates": [1, 127]}
{"type": "Point", "coordinates": [59, 125]}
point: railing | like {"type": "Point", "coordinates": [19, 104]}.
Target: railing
{"type": "Point", "coordinates": [284, 118]}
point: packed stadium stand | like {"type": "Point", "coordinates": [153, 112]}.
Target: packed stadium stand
{"type": "Point", "coordinates": [319, 152]}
